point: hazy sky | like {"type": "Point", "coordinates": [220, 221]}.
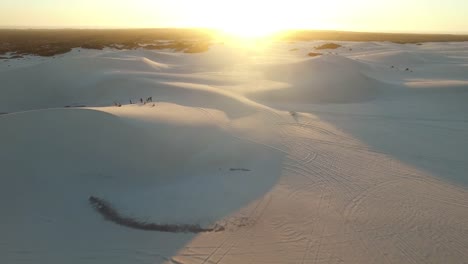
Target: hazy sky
{"type": "Point", "coordinates": [359, 15]}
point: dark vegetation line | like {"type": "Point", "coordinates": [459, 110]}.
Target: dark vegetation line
{"type": "Point", "coordinates": [41, 42]}
{"type": "Point", "coordinates": [105, 209]}
{"type": "Point", "coordinates": [401, 38]}
{"type": "Point", "coordinates": [239, 169]}
{"type": "Point", "coordinates": [53, 42]}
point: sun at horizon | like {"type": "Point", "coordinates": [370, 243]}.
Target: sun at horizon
{"type": "Point", "coordinates": [242, 18]}
{"type": "Point", "coordinates": [245, 19]}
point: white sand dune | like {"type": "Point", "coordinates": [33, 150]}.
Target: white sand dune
{"type": "Point", "coordinates": [407, 58]}
{"type": "Point", "coordinates": [325, 79]}
{"type": "Point", "coordinates": [339, 158]}
{"type": "Point", "coordinates": [101, 81]}
{"type": "Point", "coordinates": [170, 164]}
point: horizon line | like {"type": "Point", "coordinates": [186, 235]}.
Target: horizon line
{"type": "Point", "coordinates": [218, 29]}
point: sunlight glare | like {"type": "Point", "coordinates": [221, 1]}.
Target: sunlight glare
{"type": "Point", "coordinates": [253, 19]}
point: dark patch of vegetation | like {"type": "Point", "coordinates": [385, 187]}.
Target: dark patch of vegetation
{"type": "Point", "coordinates": [295, 49]}
{"type": "Point", "coordinates": [109, 213]}
{"type": "Point", "coordinates": [74, 106]}
{"type": "Point", "coordinates": [54, 42]}
{"type": "Point", "coordinates": [96, 46]}
{"type": "Point", "coordinates": [238, 169]}
{"type": "Point", "coordinates": [314, 54]}
{"type": "Point", "coordinates": [399, 42]}
{"type": "Point", "coordinates": [328, 46]}
{"type": "Point", "coordinates": [197, 47]}
{"type": "Point", "coordinates": [183, 46]}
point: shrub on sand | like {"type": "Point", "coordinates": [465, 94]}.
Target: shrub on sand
{"type": "Point", "coordinates": [105, 209]}
{"type": "Point", "coordinates": [328, 46]}
{"type": "Point", "coordinates": [314, 54]}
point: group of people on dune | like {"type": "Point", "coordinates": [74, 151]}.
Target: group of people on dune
{"type": "Point", "coordinates": [147, 100]}
{"type": "Point", "coordinates": [142, 101]}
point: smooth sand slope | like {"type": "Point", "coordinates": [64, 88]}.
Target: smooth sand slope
{"type": "Point", "coordinates": [355, 156]}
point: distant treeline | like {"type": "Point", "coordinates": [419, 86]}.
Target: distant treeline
{"type": "Point", "coordinates": [304, 35]}
{"type": "Point", "coordinates": [50, 42]}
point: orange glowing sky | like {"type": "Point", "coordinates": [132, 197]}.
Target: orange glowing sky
{"type": "Point", "coordinates": [243, 17]}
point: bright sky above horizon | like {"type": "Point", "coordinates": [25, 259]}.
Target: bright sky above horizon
{"type": "Point", "coordinates": [241, 16]}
